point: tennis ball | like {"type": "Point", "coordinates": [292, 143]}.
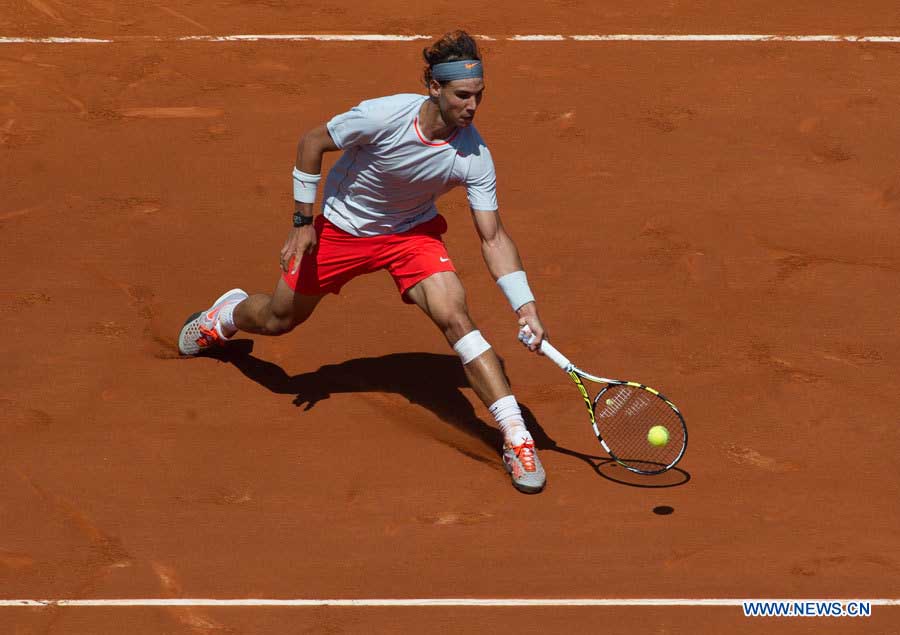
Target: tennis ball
{"type": "Point", "coordinates": [658, 436]}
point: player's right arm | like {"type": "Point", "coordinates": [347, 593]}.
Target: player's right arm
{"type": "Point", "coordinates": [360, 125]}
{"type": "Point", "coordinates": [302, 240]}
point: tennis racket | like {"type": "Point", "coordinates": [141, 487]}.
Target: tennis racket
{"type": "Point", "coordinates": [626, 417]}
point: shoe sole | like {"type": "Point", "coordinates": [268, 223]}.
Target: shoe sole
{"type": "Point", "coordinates": [190, 319]}
{"type": "Point", "coordinates": [528, 489]}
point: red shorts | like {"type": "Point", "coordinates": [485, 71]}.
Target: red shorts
{"type": "Point", "coordinates": [409, 257]}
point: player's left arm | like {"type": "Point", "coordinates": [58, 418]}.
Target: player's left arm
{"type": "Point", "coordinates": [502, 259]}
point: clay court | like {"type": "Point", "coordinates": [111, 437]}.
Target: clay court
{"type": "Point", "coordinates": [718, 219]}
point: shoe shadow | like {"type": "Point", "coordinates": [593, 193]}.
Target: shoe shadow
{"type": "Point", "coordinates": [430, 380]}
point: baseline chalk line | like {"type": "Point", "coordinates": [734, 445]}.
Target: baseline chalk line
{"type": "Point", "coordinates": [380, 37]}
{"type": "Point", "coordinates": [420, 602]}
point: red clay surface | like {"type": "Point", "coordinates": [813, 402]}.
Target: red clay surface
{"type": "Point", "coordinates": [101, 17]}
{"type": "Point", "coordinates": [719, 221]}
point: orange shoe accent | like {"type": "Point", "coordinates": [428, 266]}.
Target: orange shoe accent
{"type": "Point", "coordinates": [525, 453]}
{"type": "Point", "coordinates": [213, 313]}
{"type": "Point", "coordinates": [208, 337]}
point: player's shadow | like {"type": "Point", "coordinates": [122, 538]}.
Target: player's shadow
{"type": "Point", "coordinates": [430, 380]}
{"type": "Point", "coordinates": [427, 379]}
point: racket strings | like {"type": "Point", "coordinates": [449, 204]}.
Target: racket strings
{"type": "Point", "coordinates": [625, 414]}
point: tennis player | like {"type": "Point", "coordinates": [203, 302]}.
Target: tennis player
{"type": "Point", "coordinates": [400, 153]}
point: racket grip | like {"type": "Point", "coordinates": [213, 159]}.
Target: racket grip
{"type": "Point", "coordinates": [525, 336]}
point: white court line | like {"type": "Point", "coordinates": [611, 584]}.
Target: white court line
{"type": "Point", "coordinates": [53, 40]}
{"type": "Point", "coordinates": [735, 37]}
{"type": "Point", "coordinates": [426, 602]}
{"type": "Point", "coordinates": [375, 37]}
{"type": "Point", "coordinates": [536, 38]}
{"type": "Point", "coordinates": [372, 37]}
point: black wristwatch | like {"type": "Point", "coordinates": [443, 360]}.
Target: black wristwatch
{"type": "Point", "coordinates": [302, 221]}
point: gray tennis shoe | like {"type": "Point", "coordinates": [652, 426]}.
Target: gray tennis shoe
{"type": "Point", "coordinates": [202, 331]}
{"type": "Point", "coordinates": [524, 467]}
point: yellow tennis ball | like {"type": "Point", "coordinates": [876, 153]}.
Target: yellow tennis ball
{"type": "Point", "coordinates": [658, 436]}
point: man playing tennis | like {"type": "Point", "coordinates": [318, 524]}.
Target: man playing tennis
{"type": "Point", "coordinates": [399, 154]}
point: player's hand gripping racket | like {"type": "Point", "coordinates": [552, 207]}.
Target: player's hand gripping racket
{"type": "Point", "coordinates": [639, 428]}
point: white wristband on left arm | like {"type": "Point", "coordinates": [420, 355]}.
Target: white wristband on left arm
{"type": "Point", "coordinates": [305, 186]}
{"type": "Point", "coordinates": [515, 287]}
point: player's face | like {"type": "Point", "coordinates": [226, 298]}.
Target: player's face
{"type": "Point", "coordinates": [459, 99]}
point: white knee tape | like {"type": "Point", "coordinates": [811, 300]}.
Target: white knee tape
{"type": "Point", "coordinates": [470, 346]}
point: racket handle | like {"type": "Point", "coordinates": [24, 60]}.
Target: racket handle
{"type": "Point", "coordinates": [526, 336]}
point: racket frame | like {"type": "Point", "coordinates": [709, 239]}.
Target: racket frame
{"type": "Point", "coordinates": [576, 375]}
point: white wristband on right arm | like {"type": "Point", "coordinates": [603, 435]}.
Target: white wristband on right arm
{"type": "Point", "coordinates": [305, 186]}
{"type": "Point", "coordinates": [515, 287]}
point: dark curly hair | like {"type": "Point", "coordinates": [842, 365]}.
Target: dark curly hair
{"type": "Point", "coordinates": [453, 46]}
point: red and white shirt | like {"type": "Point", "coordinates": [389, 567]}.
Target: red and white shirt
{"type": "Point", "coordinates": [389, 176]}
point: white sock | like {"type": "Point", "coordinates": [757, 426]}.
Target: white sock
{"type": "Point", "coordinates": [509, 417]}
{"type": "Point", "coordinates": [225, 323]}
